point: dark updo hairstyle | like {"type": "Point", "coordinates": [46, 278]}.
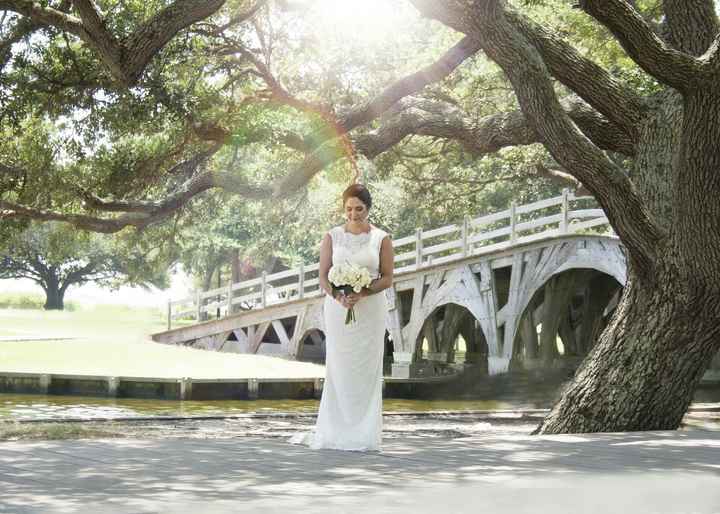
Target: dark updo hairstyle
{"type": "Point", "coordinates": [360, 192]}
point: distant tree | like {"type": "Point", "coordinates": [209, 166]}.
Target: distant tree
{"type": "Point", "coordinates": [56, 257]}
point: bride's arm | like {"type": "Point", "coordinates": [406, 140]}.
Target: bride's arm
{"type": "Point", "coordinates": [325, 264]}
{"type": "Point", "coordinates": [387, 264]}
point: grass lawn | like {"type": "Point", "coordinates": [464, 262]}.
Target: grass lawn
{"type": "Point", "coordinates": [102, 323]}
{"type": "Point", "coordinates": [115, 341]}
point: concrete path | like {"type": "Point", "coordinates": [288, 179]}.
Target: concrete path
{"type": "Point", "coordinates": [632, 473]}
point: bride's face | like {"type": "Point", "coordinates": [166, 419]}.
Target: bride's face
{"type": "Point", "coordinates": [355, 210]}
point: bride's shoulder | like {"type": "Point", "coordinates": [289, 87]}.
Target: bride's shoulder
{"type": "Point", "coordinates": [380, 232]}
{"type": "Point", "coordinates": [335, 232]}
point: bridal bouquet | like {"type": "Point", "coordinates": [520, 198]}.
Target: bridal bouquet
{"type": "Point", "coordinates": [347, 278]}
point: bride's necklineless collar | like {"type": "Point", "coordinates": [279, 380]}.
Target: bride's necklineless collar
{"type": "Point", "coordinates": [359, 233]}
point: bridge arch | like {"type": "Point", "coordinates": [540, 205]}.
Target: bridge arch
{"type": "Point", "coordinates": [311, 346]}
{"type": "Point", "coordinates": [592, 254]}
{"type": "Point", "coordinates": [561, 318]}
{"type": "Point", "coordinates": [451, 336]}
{"type": "Point", "coordinates": [463, 288]}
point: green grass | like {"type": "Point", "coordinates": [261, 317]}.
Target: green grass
{"type": "Point", "coordinates": [114, 341]}
{"type": "Point", "coordinates": [102, 323]}
{"type": "Point", "coordinates": [28, 301]}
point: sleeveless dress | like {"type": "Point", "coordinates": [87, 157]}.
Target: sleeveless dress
{"type": "Point", "coordinates": [350, 413]}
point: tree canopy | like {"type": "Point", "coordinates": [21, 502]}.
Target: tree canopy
{"type": "Point", "coordinates": [247, 100]}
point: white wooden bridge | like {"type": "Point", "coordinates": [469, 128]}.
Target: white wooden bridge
{"type": "Point", "coordinates": [493, 280]}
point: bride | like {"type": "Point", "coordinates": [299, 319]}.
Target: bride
{"type": "Point", "coordinates": [350, 415]}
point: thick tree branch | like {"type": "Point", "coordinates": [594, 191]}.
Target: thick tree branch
{"type": "Point", "coordinates": [11, 210]}
{"type": "Point", "coordinates": [148, 39]}
{"type": "Point", "coordinates": [591, 82]}
{"type": "Point", "coordinates": [13, 268]}
{"type": "Point", "coordinates": [711, 62]}
{"type": "Point", "coordinates": [237, 19]}
{"type": "Point", "coordinates": [150, 213]}
{"type": "Point", "coordinates": [480, 137]}
{"type": "Point", "coordinates": [99, 37]}
{"type": "Point", "coordinates": [668, 65]}
{"type": "Point", "coordinates": [373, 108]}
{"type": "Point", "coordinates": [410, 84]}
{"type": "Point", "coordinates": [693, 24]}
{"type": "Point", "coordinates": [515, 54]}
{"type": "Point", "coordinates": [601, 131]}
{"type": "Point", "coordinates": [44, 15]}
{"type": "Point", "coordinates": [418, 117]}
{"type": "Point", "coordinates": [561, 177]}
{"type": "Point", "coordinates": [125, 59]}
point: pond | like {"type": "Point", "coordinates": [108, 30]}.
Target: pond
{"type": "Point", "coordinates": [505, 395]}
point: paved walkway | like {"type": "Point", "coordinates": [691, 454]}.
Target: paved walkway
{"type": "Point", "coordinates": [652, 472]}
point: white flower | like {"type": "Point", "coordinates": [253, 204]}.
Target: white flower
{"type": "Point", "coordinates": [348, 274]}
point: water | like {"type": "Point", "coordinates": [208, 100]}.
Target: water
{"type": "Point", "coordinates": [502, 395]}
{"type": "Point", "coordinates": [36, 407]}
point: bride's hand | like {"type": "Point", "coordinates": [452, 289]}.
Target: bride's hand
{"type": "Point", "coordinates": [342, 300]}
{"type": "Point", "coordinates": [354, 298]}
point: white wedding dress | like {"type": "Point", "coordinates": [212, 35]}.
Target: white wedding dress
{"type": "Point", "coordinates": [350, 414]}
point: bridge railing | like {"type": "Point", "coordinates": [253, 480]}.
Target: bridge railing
{"type": "Point", "coordinates": [518, 225]}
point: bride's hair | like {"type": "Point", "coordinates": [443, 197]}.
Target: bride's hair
{"type": "Point", "coordinates": [360, 192]}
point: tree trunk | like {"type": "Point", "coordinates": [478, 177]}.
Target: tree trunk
{"type": "Point", "coordinates": [235, 265]}
{"type": "Point", "coordinates": [567, 334]}
{"type": "Point", "coordinates": [642, 373]}
{"type": "Point", "coordinates": [207, 283]}
{"type": "Point", "coordinates": [452, 322]}
{"type": "Point", "coordinates": [429, 332]}
{"type": "Point", "coordinates": [207, 277]}
{"type": "Point", "coordinates": [526, 345]}
{"type": "Point", "coordinates": [235, 274]}
{"type": "Point", "coordinates": [469, 333]}
{"type": "Point", "coordinates": [54, 295]}
{"type": "Point", "coordinates": [643, 370]}
{"type": "Point", "coordinates": [528, 335]}
{"type": "Point", "coordinates": [219, 285]}
{"type": "Point", "coordinates": [597, 296]}
{"type": "Point", "coordinates": [558, 292]}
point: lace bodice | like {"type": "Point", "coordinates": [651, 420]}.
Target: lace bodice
{"type": "Point", "coordinates": [361, 249]}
